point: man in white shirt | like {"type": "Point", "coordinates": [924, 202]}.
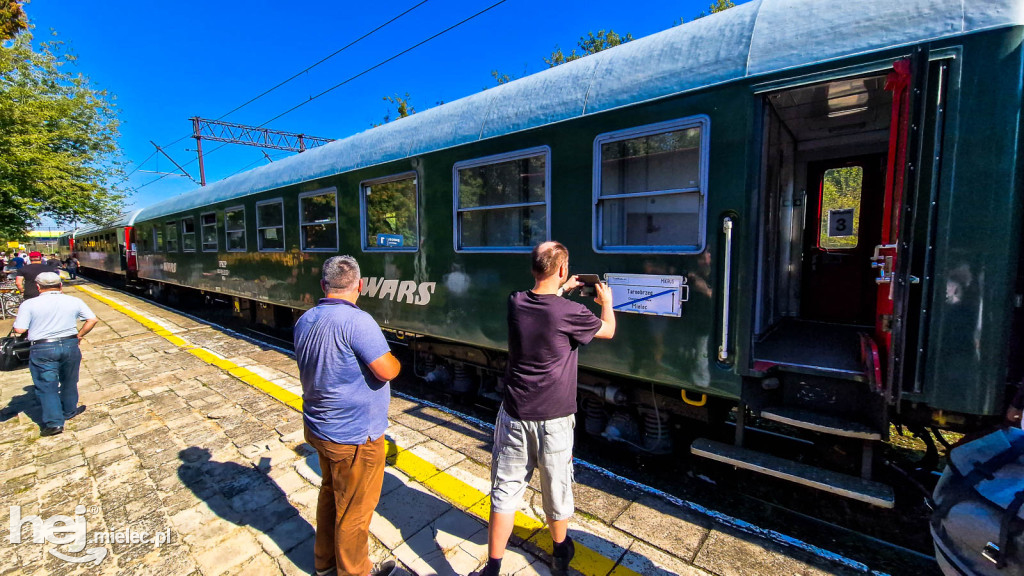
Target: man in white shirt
{"type": "Point", "coordinates": [51, 320]}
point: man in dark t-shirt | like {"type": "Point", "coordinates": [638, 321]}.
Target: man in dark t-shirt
{"type": "Point", "coordinates": [26, 279]}
{"type": "Point", "coordinates": [537, 417]}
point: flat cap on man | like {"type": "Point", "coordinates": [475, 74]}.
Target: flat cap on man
{"type": "Point", "coordinates": [49, 279]}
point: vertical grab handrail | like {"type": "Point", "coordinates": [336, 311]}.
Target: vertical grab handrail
{"type": "Point", "coordinates": [723, 350]}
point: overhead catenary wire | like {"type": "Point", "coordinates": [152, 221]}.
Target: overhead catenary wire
{"type": "Point", "coordinates": [351, 78]}
{"type": "Point", "coordinates": [300, 73]}
{"type": "Point", "coordinates": [319, 62]}
{"type": "Point", "coordinates": [148, 158]}
{"type": "Point", "coordinates": [383, 62]}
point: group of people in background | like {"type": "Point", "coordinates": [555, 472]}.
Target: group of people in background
{"type": "Point", "coordinates": [13, 264]}
{"type": "Point", "coordinates": [345, 365]}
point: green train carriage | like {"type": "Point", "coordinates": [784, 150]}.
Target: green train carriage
{"type": "Point", "coordinates": [811, 212]}
{"type": "Point", "coordinates": [106, 249]}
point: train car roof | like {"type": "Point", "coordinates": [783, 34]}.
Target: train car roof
{"type": "Point", "coordinates": [753, 39]}
{"type": "Point", "coordinates": [124, 219]}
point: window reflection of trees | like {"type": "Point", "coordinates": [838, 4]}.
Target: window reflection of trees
{"type": "Point", "coordinates": [391, 209]}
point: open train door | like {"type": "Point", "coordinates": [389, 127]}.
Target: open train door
{"type": "Point", "coordinates": [918, 92]}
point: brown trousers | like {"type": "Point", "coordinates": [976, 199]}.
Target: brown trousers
{"type": "Point", "coordinates": [352, 478]}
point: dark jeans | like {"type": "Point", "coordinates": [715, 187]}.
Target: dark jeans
{"type": "Point", "coordinates": [54, 367]}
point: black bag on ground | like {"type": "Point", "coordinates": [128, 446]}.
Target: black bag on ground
{"type": "Point", "coordinates": [978, 522]}
{"type": "Point", "coordinates": [13, 351]}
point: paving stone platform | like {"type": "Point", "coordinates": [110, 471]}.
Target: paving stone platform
{"type": "Point", "coordinates": [192, 433]}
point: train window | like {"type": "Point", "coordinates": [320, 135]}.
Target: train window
{"type": "Point", "coordinates": [840, 208]}
{"type": "Point", "coordinates": [389, 214]}
{"type": "Point", "coordinates": [501, 202]}
{"type": "Point", "coordinates": [188, 234]}
{"type": "Point", "coordinates": [234, 229]}
{"type": "Point", "coordinates": [208, 223]}
{"type": "Point", "coordinates": [158, 239]}
{"type": "Point", "coordinates": [318, 221]}
{"type": "Point", "coordinates": [270, 225]}
{"type": "Point", "coordinates": [171, 229]}
{"type": "Point", "coordinates": [649, 187]}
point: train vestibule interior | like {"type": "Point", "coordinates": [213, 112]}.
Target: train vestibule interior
{"type": "Point", "coordinates": [825, 153]}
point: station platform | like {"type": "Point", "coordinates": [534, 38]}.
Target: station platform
{"type": "Point", "coordinates": [193, 435]}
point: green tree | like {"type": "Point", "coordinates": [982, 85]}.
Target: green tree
{"type": "Point", "coordinates": [501, 78]}
{"type": "Point", "coordinates": [58, 140]}
{"type": "Point", "coordinates": [12, 19]}
{"type": "Point", "coordinates": [715, 8]}
{"type": "Point", "coordinates": [589, 44]}
{"type": "Point", "coordinates": [403, 107]}
{"type": "Point", "coordinates": [841, 190]}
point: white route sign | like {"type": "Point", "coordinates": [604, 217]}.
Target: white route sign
{"type": "Point", "coordinates": [648, 294]}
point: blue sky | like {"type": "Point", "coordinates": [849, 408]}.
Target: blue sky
{"type": "Point", "coordinates": [169, 61]}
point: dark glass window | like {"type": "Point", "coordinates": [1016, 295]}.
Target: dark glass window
{"type": "Point", "coordinates": [188, 234]}
{"type": "Point", "coordinates": [270, 226]}
{"type": "Point", "coordinates": [171, 229]}
{"type": "Point", "coordinates": [501, 201]}
{"type": "Point", "coordinates": [234, 229]}
{"type": "Point", "coordinates": [318, 221]}
{"type": "Point", "coordinates": [209, 230]}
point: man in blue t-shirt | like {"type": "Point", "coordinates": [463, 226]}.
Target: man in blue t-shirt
{"type": "Point", "coordinates": [345, 366]}
{"type": "Point", "coordinates": [535, 424]}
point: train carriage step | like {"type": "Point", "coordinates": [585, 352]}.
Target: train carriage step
{"type": "Point", "coordinates": [874, 493]}
{"type": "Point", "coordinates": [818, 422]}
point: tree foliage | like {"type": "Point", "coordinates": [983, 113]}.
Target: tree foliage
{"type": "Point", "coordinates": [391, 209]}
{"type": "Point", "coordinates": [589, 44]}
{"type": "Point", "coordinates": [841, 190]}
{"type": "Point", "coordinates": [404, 108]}
{"type": "Point", "coordinates": [58, 140]}
{"type": "Point", "coordinates": [12, 19]}
{"type": "Point", "coordinates": [714, 8]}
{"type": "Point", "coordinates": [502, 78]}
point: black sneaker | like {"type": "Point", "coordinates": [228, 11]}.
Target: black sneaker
{"type": "Point", "coordinates": [562, 556]}
{"type": "Point", "coordinates": [385, 568]}
{"type": "Point", "coordinates": [51, 431]}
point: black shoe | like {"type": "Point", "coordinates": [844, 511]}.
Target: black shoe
{"type": "Point", "coordinates": [385, 568]}
{"type": "Point", "coordinates": [562, 556]}
{"type": "Point", "coordinates": [77, 411]}
{"type": "Point", "coordinates": [51, 431]}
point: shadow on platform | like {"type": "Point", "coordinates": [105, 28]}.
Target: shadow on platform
{"type": "Point", "coordinates": [245, 496]}
{"type": "Point", "coordinates": [27, 403]}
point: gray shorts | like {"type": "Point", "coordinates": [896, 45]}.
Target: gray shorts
{"type": "Point", "coordinates": [522, 445]}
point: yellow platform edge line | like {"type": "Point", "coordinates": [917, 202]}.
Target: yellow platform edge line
{"type": "Point", "coordinates": [280, 394]}
{"type": "Point", "coordinates": [456, 492]}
